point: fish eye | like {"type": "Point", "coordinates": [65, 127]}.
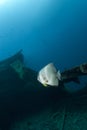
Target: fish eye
{"type": "Point", "coordinates": [47, 81]}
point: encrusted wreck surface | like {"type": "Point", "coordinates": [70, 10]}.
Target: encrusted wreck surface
{"type": "Point", "coordinates": [65, 114]}
{"type": "Point", "coordinates": [6, 63]}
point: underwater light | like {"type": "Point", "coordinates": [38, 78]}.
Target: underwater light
{"type": "Point", "coordinates": [2, 2]}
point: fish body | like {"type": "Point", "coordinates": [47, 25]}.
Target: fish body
{"type": "Point", "coordinates": [49, 75]}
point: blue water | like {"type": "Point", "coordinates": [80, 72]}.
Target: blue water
{"type": "Point", "coordinates": [47, 31]}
